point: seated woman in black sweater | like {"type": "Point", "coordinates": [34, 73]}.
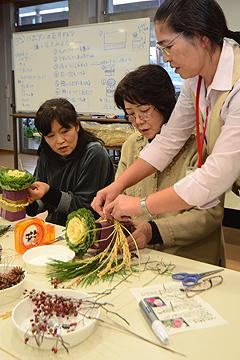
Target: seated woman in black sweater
{"type": "Point", "coordinates": [72, 165]}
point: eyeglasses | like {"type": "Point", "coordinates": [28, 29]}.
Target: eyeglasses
{"type": "Point", "coordinates": [204, 285]}
{"type": "Point", "coordinates": [142, 116]}
{"type": "Point", "coordinates": [164, 49]}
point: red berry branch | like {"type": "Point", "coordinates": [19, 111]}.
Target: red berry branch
{"type": "Point", "coordinates": [50, 310]}
{"type": "Point", "coordinates": [49, 307]}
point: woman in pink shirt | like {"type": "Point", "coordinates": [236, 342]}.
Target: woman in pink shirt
{"type": "Point", "coordinates": [194, 38]}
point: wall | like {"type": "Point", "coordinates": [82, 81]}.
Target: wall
{"type": "Point", "coordinates": [5, 77]}
{"type": "Point", "coordinates": [78, 12]}
{"type": "Point", "coordinates": [231, 10]}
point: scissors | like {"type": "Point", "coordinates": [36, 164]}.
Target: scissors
{"type": "Point", "coordinates": [192, 279]}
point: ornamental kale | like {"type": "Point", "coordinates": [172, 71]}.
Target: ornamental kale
{"type": "Point", "coordinates": [80, 234]}
{"type": "Point", "coordinates": [15, 180]}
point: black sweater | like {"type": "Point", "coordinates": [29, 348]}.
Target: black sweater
{"type": "Point", "coordinates": [73, 180]}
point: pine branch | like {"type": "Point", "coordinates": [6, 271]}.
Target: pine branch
{"type": "Point", "coordinates": [86, 274]}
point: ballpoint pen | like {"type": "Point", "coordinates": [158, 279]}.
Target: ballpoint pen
{"type": "Point", "coordinates": [155, 324]}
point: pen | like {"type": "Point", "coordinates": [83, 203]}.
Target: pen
{"type": "Point", "coordinates": [94, 117]}
{"type": "Point", "coordinates": [155, 324]}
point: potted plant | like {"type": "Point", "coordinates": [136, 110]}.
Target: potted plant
{"type": "Point", "coordinates": [29, 139]}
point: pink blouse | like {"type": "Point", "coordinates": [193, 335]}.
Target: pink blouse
{"type": "Point", "coordinates": [222, 167]}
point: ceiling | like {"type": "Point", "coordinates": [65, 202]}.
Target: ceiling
{"type": "Point", "coordinates": [25, 1]}
{"type": "Point", "coordinates": [12, 1]}
{"type": "Point", "coordinates": [42, 5]}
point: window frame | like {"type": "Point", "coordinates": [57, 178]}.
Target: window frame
{"type": "Point", "coordinates": [37, 26]}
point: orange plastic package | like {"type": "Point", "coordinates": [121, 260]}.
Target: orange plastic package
{"type": "Point", "coordinates": [31, 233]}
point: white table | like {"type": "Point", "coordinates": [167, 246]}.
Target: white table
{"type": "Point", "coordinates": [220, 342]}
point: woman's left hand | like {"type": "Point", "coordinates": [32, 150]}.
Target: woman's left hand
{"type": "Point", "coordinates": [123, 207]}
{"type": "Point", "coordinates": [36, 191]}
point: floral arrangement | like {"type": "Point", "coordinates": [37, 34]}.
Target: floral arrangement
{"type": "Point", "coordinates": [14, 197]}
{"type": "Point", "coordinates": [81, 233]}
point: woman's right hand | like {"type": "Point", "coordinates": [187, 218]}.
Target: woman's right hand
{"type": "Point", "coordinates": [104, 197]}
{"type": "Point", "coordinates": [36, 191]}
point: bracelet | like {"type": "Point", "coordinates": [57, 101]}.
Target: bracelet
{"type": "Point", "coordinates": [144, 207]}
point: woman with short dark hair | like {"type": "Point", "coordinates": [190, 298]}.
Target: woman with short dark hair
{"type": "Point", "coordinates": [147, 97]}
{"type": "Point", "coordinates": [149, 84]}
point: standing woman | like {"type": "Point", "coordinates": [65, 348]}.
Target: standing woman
{"type": "Point", "coordinates": [72, 165]}
{"type": "Point", "coordinates": [194, 38]}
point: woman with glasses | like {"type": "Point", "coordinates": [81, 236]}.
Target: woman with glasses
{"type": "Point", "coordinates": [147, 97]}
{"type": "Point", "coordinates": [72, 166]}
{"type": "Point", "coordinates": [195, 40]}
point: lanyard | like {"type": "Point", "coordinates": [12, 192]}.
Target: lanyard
{"type": "Point", "coordinates": [199, 141]}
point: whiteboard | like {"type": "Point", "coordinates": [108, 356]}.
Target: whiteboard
{"type": "Point", "coordinates": [80, 63]}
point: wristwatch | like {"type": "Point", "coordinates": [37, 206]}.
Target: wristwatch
{"type": "Point", "coordinates": [144, 207]}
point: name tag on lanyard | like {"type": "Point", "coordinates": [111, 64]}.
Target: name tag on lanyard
{"type": "Point", "coordinates": [190, 169]}
{"type": "Point", "coordinates": [200, 141]}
